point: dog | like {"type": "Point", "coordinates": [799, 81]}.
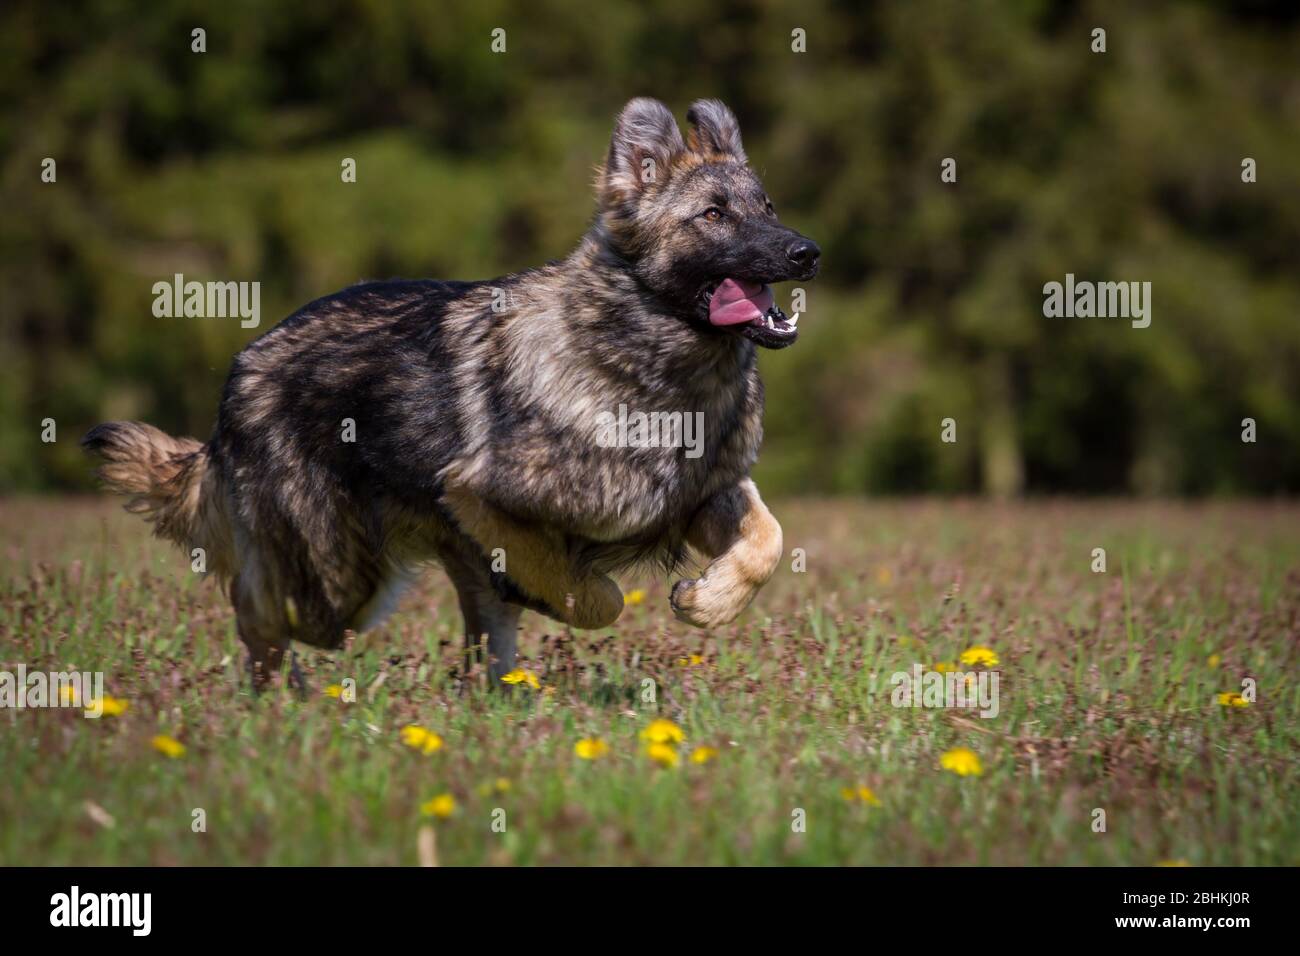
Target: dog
{"type": "Point", "coordinates": [400, 423]}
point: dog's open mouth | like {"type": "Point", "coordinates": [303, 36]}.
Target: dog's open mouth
{"type": "Point", "coordinates": [750, 309]}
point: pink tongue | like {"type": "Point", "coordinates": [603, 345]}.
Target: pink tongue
{"type": "Point", "coordinates": [735, 302]}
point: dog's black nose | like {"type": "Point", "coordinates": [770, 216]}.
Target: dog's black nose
{"type": "Point", "coordinates": [804, 253]}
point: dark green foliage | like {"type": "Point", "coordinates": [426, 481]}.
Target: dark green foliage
{"type": "Point", "coordinates": [1117, 166]}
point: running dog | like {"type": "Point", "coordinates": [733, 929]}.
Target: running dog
{"type": "Point", "coordinates": [400, 423]}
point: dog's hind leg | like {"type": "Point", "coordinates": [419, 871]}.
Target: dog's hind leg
{"type": "Point", "coordinates": [538, 563]}
{"type": "Point", "coordinates": [267, 643]}
{"type": "Point", "coordinates": [491, 623]}
{"type": "Point", "coordinates": [269, 661]}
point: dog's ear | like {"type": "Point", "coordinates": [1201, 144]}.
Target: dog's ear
{"type": "Point", "coordinates": [646, 142]}
{"type": "Point", "coordinates": [714, 134]}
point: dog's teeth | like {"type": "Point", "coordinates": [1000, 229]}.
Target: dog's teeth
{"type": "Point", "coordinates": [794, 320]}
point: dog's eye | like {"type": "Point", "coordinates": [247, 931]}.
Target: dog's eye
{"type": "Point", "coordinates": [713, 214]}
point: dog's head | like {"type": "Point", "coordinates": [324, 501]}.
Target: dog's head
{"type": "Point", "coordinates": [694, 224]}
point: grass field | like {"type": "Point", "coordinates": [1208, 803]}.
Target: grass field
{"type": "Point", "coordinates": [1108, 700]}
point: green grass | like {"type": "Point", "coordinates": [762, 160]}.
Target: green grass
{"type": "Point", "coordinates": [1107, 701]}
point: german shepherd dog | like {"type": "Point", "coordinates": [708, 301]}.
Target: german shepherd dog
{"type": "Point", "coordinates": [399, 423]}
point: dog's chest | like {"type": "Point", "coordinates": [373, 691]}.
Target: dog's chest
{"type": "Point", "coordinates": [650, 467]}
{"type": "Point", "coordinates": [612, 454]}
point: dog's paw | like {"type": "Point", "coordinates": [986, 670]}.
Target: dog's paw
{"type": "Point", "coordinates": [707, 602]}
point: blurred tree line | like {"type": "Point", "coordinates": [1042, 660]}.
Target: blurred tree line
{"type": "Point", "coordinates": [1123, 165]}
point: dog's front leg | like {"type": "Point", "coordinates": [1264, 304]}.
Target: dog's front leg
{"type": "Point", "coordinates": [537, 561]}
{"type": "Point", "coordinates": [734, 529]}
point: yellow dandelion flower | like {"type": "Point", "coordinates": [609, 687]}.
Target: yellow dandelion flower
{"type": "Point", "coordinates": [1213, 661]}
{"type": "Point", "coordinates": [442, 806]}
{"type": "Point", "coordinates": [521, 676]}
{"type": "Point", "coordinates": [979, 656]}
{"type": "Point", "coordinates": [864, 794]}
{"type": "Point", "coordinates": [704, 754]}
{"type": "Point", "coordinates": [663, 731]}
{"type": "Point", "coordinates": [421, 739]}
{"type": "Point", "coordinates": [663, 754]}
{"type": "Point", "coordinates": [868, 796]}
{"type": "Point", "coordinates": [962, 761]}
{"type": "Point", "coordinates": [334, 690]}
{"type": "Point", "coordinates": [168, 746]}
{"type": "Point", "coordinates": [634, 597]}
{"type": "Point", "coordinates": [695, 660]}
{"type": "Point", "coordinates": [944, 667]}
{"type": "Point", "coordinates": [499, 785]}
{"type": "Point", "coordinates": [1232, 699]}
{"type": "Point", "coordinates": [591, 748]}
{"type": "Point", "coordinates": [111, 706]}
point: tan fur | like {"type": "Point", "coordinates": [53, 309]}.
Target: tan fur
{"type": "Point", "coordinates": [736, 530]}
{"type": "Point", "coordinates": [170, 485]}
{"type": "Point", "coordinates": [538, 561]}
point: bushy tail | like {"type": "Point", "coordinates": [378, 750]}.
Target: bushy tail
{"type": "Point", "coordinates": [169, 482]}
